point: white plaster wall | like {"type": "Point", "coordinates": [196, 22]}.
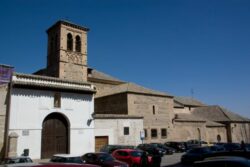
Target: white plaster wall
{"type": "Point", "coordinates": [30, 107]}
{"type": "Point", "coordinates": [104, 131]}
{"type": "Point", "coordinates": [31, 142]}
{"type": "Point", "coordinates": [82, 141]}
{"type": "Point", "coordinates": [114, 129]}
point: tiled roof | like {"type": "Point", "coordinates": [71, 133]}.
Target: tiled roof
{"type": "Point", "coordinates": [116, 116]}
{"type": "Point", "coordinates": [214, 124]}
{"type": "Point", "coordinates": [188, 101]}
{"type": "Point", "coordinates": [67, 23]}
{"type": "Point", "coordinates": [28, 80]}
{"type": "Point", "coordinates": [95, 74]}
{"type": "Point", "coordinates": [183, 117]}
{"type": "Point", "coordinates": [131, 88]}
{"type": "Point", "coordinates": [178, 105]}
{"type": "Point", "coordinates": [218, 114]}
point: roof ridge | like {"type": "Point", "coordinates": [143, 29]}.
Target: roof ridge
{"type": "Point", "coordinates": [223, 112]}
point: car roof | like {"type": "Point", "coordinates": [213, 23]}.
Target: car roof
{"type": "Point", "coordinates": [17, 157]}
{"type": "Point", "coordinates": [128, 150]}
{"type": "Point", "coordinates": [67, 155]}
{"type": "Point", "coordinates": [224, 157]}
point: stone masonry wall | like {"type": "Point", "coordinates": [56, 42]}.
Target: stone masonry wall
{"type": "Point", "coordinates": [240, 132]}
{"type": "Point", "coordinates": [3, 108]}
{"type": "Point", "coordinates": [213, 132]}
{"type": "Point", "coordinates": [184, 131]}
{"type": "Point", "coordinates": [157, 112]}
{"type": "Point", "coordinates": [114, 104]}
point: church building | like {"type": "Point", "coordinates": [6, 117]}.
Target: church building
{"type": "Point", "coordinates": [68, 107]}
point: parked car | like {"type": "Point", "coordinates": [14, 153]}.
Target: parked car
{"type": "Point", "coordinates": [217, 148]}
{"type": "Point", "coordinates": [195, 143]}
{"type": "Point", "coordinates": [223, 162]}
{"type": "Point", "coordinates": [168, 150]}
{"type": "Point", "coordinates": [134, 158]}
{"type": "Point", "coordinates": [103, 160]}
{"type": "Point", "coordinates": [247, 147]}
{"type": "Point", "coordinates": [155, 152]}
{"type": "Point", "coordinates": [196, 154]}
{"type": "Point", "coordinates": [232, 146]}
{"type": "Point", "coordinates": [67, 158]}
{"type": "Point", "coordinates": [49, 165]}
{"type": "Point", "coordinates": [151, 149]}
{"type": "Point", "coordinates": [110, 148]}
{"type": "Point", "coordinates": [17, 160]}
{"type": "Point", "coordinates": [178, 146]}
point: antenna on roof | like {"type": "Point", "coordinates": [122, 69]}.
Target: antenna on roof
{"type": "Point", "coordinates": [192, 93]}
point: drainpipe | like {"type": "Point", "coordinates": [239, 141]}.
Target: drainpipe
{"type": "Point", "coordinates": [6, 138]}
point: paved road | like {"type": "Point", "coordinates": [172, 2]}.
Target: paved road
{"type": "Point", "coordinates": [172, 160]}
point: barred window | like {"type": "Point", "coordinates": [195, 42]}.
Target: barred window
{"type": "Point", "coordinates": [145, 133]}
{"type": "Point", "coordinates": [164, 133]}
{"type": "Point", "coordinates": [153, 133]}
{"type": "Point", "coordinates": [126, 131]}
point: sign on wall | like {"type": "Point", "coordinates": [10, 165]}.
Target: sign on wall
{"type": "Point", "coordinates": [5, 74]}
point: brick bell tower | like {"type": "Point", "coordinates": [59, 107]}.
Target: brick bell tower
{"type": "Point", "coordinates": [67, 51]}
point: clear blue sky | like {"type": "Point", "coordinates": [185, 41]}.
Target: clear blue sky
{"type": "Point", "coordinates": [168, 45]}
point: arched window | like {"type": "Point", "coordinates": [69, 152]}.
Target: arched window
{"type": "Point", "coordinates": [78, 43]}
{"type": "Point", "coordinates": [69, 42]}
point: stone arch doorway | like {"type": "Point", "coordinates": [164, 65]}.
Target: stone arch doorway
{"type": "Point", "coordinates": [55, 135]}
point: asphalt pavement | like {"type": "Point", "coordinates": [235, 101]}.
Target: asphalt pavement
{"type": "Point", "coordinates": [173, 160]}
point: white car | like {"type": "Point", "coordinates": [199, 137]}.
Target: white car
{"type": "Point", "coordinates": [15, 160]}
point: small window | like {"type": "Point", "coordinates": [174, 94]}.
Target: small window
{"type": "Point", "coordinates": [126, 131]}
{"type": "Point", "coordinates": [69, 42]}
{"type": "Point", "coordinates": [153, 110]}
{"type": "Point", "coordinates": [153, 133]}
{"type": "Point", "coordinates": [163, 133]}
{"type": "Point", "coordinates": [145, 133]}
{"type": "Point", "coordinates": [57, 100]}
{"type": "Point", "coordinates": [78, 43]}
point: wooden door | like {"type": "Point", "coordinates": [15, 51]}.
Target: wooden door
{"type": "Point", "coordinates": [54, 135]}
{"type": "Point", "coordinates": [100, 141]}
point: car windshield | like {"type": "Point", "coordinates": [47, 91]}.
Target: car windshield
{"type": "Point", "coordinates": [105, 157]}
{"type": "Point", "coordinates": [66, 159]}
{"type": "Point", "coordinates": [17, 160]}
{"type": "Point", "coordinates": [136, 153]}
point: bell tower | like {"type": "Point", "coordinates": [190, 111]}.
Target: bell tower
{"type": "Point", "coordinates": [67, 51]}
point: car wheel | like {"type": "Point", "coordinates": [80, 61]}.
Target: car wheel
{"type": "Point", "coordinates": [135, 165]}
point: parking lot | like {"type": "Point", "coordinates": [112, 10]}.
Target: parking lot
{"type": "Point", "coordinates": [172, 160]}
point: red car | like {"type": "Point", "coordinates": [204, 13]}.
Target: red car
{"type": "Point", "coordinates": [134, 158]}
{"type": "Point", "coordinates": [51, 165]}
{"type": "Point", "coordinates": [103, 160]}
{"type": "Point", "coordinates": [66, 165]}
